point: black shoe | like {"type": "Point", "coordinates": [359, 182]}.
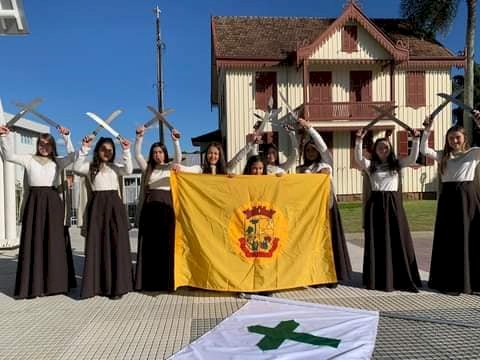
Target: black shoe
{"type": "Point", "coordinates": [115, 297]}
{"type": "Point", "coordinates": [451, 293]}
{"type": "Point", "coordinates": [330, 286]}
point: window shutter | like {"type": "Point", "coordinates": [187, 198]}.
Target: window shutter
{"type": "Point", "coordinates": [320, 86]}
{"type": "Point", "coordinates": [421, 96]}
{"type": "Point", "coordinates": [349, 38]}
{"type": "Point", "coordinates": [265, 87]}
{"type": "Point", "coordinates": [345, 43]}
{"type": "Point", "coordinates": [415, 89]}
{"type": "Point", "coordinates": [360, 86]}
{"type": "Point", "coordinates": [410, 89]}
{"type": "Point", "coordinates": [402, 143]}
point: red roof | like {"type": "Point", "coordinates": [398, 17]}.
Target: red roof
{"type": "Point", "coordinates": [277, 38]}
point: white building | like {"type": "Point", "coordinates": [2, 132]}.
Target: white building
{"type": "Point", "coordinates": [11, 177]}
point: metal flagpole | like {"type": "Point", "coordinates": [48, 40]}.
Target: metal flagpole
{"type": "Point", "coordinates": [159, 72]}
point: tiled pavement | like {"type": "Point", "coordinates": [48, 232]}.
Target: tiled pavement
{"type": "Point", "coordinates": [427, 325]}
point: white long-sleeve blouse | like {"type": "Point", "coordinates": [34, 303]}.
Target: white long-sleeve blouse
{"type": "Point", "coordinates": [239, 156]}
{"type": "Point", "coordinates": [107, 177]}
{"type": "Point", "coordinates": [40, 171]}
{"type": "Point", "coordinates": [160, 177]}
{"type": "Point", "coordinates": [460, 167]}
{"type": "Point", "coordinates": [383, 179]}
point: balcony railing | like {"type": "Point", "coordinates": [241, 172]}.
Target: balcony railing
{"type": "Point", "coordinates": [343, 110]}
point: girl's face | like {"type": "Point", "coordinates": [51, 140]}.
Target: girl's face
{"type": "Point", "coordinates": [158, 155]}
{"type": "Point", "coordinates": [105, 153]}
{"type": "Point", "coordinates": [382, 150]}
{"type": "Point", "coordinates": [256, 168]}
{"type": "Point", "coordinates": [44, 147]}
{"type": "Point", "coordinates": [456, 140]}
{"type": "Point", "coordinates": [213, 155]}
{"type": "Point", "coordinates": [311, 152]}
{"type": "Point", "coordinates": [271, 156]}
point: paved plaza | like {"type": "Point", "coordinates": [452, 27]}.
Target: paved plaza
{"type": "Point", "coordinates": [427, 325]}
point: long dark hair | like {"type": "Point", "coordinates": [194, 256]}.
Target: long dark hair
{"type": "Point", "coordinates": [96, 162]}
{"type": "Point", "coordinates": [252, 160]}
{"type": "Point", "coordinates": [392, 161]}
{"type": "Point", "coordinates": [220, 166]}
{"type": "Point", "coordinates": [447, 150]}
{"type": "Point", "coordinates": [151, 163]}
{"type": "Point", "coordinates": [51, 140]}
{"type": "Point", "coordinates": [307, 162]}
{"type": "Point", "coordinates": [272, 146]}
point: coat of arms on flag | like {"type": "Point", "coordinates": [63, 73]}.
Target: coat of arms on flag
{"type": "Point", "coordinates": [272, 328]}
{"type": "Point", "coordinates": [258, 229]}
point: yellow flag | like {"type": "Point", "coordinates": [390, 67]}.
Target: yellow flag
{"type": "Point", "coordinates": [252, 233]}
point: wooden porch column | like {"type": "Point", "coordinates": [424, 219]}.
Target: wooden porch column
{"type": "Point", "coordinates": [306, 82]}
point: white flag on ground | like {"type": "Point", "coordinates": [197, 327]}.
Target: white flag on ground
{"type": "Point", "coordinates": [272, 328]}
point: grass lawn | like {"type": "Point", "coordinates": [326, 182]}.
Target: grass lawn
{"type": "Point", "coordinates": [420, 213]}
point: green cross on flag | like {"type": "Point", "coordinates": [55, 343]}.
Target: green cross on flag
{"type": "Point", "coordinates": [274, 337]}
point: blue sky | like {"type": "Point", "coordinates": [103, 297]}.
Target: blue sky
{"type": "Point", "coordinates": [100, 56]}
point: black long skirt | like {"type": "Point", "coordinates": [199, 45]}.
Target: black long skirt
{"type": "Point", "coordinates": [155, 243]}
{"type": "Point", "coordinates": [389, 259]}
{"type": "Point", "coordinates": [343, 267]}
{"type": "Point", "coordinates": [43, 257]}
{"type": "Point", "coordinates": [108, 265]}
{"type": "Point", "coordinates": [455, 264]}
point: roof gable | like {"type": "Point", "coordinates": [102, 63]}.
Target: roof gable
{"type": "Point", "coordinates": [366, 47]}
{"type": "Point", "coordinates": [352, 12]}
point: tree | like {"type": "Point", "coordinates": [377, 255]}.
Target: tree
{"type": "Point", "coordinates": [459, 82]}
{"type": "Point", "coordinates": [429, 17]}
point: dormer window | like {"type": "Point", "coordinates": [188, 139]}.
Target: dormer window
{"type": "Point", "coordinates": [349, 38]}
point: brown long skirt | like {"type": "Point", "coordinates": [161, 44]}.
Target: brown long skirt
{"type": "Point", "coordinates": [108, 266]}
{"type": "Point", "coordinates": [155, 243]}
{"type": "Point", "coordinates": [343, 267]}
{"type": "Point", "coordinates": [456, 240]}
{"type": "Point", "coordinates": [42, 259]}
{"type": "Point", "coordinates": [389, 258]}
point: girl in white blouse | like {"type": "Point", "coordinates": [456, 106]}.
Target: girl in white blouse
{"type": "Point", "coordinates": [108, 267]}
{"type": "Point", "coordinates": [318, 160]}
{"type": "Point", "coordinates": [454, 265]}
{"type": "Point", "coordinates": [156, 228]}
{"type": "Point", "coordinates": [214, 161]}
{"type": "Point", "coordinates": [256, 165]}
{"type": "Point", "coordinates": [43, 256]}
{"type": "Point", "coordinates": [271, 155]}
{"type": "Point", "coordinates": [389, 259]}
